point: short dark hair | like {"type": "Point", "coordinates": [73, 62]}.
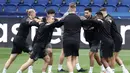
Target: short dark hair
{"type": "Point", "coordinates": [99, 13]}
{"type": "Point", "coordinates": [103, 9]}
{"type": "Point", "coordinates": [50, 11]}
{"type": "Point", "coordinates": [89, 9]}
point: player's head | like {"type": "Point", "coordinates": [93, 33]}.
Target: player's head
{"type": "Point", "coordinates": [104, 11]}
{"type": "Point", "coordinates": [50, 19]}
{"type": "Point", "coordinates": [72, 7]}
{"type": "Point", "coordinates": [51, 12]}
{"type": "Point", "coordinates": [87, 12]}
{"type": "Point", "coordinates": [31, 13]}
{"type": "Point", "coordinates": [99, 15]}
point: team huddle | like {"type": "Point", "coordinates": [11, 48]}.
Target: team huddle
{"type": "Point", "coordinates": [99, 30]}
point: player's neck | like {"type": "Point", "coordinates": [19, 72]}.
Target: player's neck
{"type": "Point", "coordinates": [72, 12]}
{"type": "Point", "coordinates": [104, 14]}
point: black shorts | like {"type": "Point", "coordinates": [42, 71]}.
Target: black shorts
{"type": "Point", "coordinates": [118, 44]}
{"type": "Point", "coordinates": [49, 45]}
{"type": "Point", "coordinates": [38, 51]}
{"type": "Point", "coordinates": [19, 45]}
{"type": "Point", "coordinates": [94, 46]}
{"type": "Point", "coordinates": [107, 47]}
{"type": "Point", "coordinates": [71, 48]}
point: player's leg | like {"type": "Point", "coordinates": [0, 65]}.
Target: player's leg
{"type": "Point", "coordinates": [14, 53]}
{"type": "Point", "coordinates": [120, 63]}
{"type": "Point", "coordinates": [47, 61]}
{"type": "Point", "coordinates": [74, 58]}
{"type": "Point", "coordinates": [9, 62]}
{"type": "Point", "coordinates": [26, 65]}
{"type": "Point", "coordinates": [50, 53]}
{"type": "Point", "coordinates": [104, 60]}
{"type": "Point", "coordinates": [98, 60]}
{"type": "Point", "coordinates": [33, 57]}
{"type": "Point", "coordinates": [112, 63]}
{"type": "Point", "coordinates": [28, 49]}
{"type": "Point", "coordinates": [69, 64]}
{"type": "Point", "coordinates": [91, 58]}
{"type": "Point", "coordinates": [78, 67]}
{"type": "Point", "coordinates": [61, 60]}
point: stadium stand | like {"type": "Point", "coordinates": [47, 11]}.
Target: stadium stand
{"type": "Point", "coordinates": [23, 7]}
{"type": "Point", "coordinates": [113, 2]}
{"type": "Point", "coordinates": [110, 8]}
{"type": "Point", "coordinates": [57, 2]}
{"type": "Point", "coordinates": [80, 8]}
{"type": "Point", "coordinates": [55, 7]}
{"type": "Point", "coordinates": [64, 8]}
{"type": "Point", "coordinates": [123, 8]}
{"type": "Point", "coordinates": [115, 7]}
{"type": "Point", "coordinates": [125, 2]}
{"type": "Point", "coordinates": [10, 8]}
{"type": "Point", "coordinates": [84, 2]}
{"type": "Point", "coordinates": [29, 2]}
{"type": "Point", "coordinates": [39, 8]}
{"type": "Point", "coordinates": [2, 2]}
{"type": "Point", "coordinates": [98, 2]}
{"type": "Point", "coordinates": [1, 8]}
{"type": "Point", "coordinates": [95, 8]}
{"type": "Point", "coordinates": [69, 1]}
{"type": "Point", "coordinates": [15, 2]}
{"type": "Point", "coordinates": [43, 2]}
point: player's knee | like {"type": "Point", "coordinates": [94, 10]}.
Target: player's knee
{"type": "Point", "coordinates": [50, 51]}
{"type": "Point", "coordinates": [47, 59]}
{"type": "Point", "coordinates": [91, 54]}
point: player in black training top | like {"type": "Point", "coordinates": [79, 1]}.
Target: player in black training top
{"type": "Point", "coordinates": [107, 43]}
{"type": "Point", "coordinates": [19, 42]}
{"type": "Point", "coordinates": [51, 13]}
{"type": "Point", "coordinates": [44, 36]}
{"type": "Point", "coordinates": [117, 41]}
{"type": "Point", "coordinates": [71, 37]}
{"type": "Point", "coordinates": [91, 35]}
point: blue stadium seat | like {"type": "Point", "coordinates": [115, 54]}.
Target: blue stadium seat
{"type": "Point", "coordinates": [54, 7]}
{"type": "Point", "coordinates": [110, 8]}
{"type": "Point", "coordinates": [125, 2]}
{"type": "Point", "coordinates": [84, 2]}
{"type": "Point", "coordinates": [80, 8]}
{"type": "Point", "coordinates": [39, 8]}
{"type": "Point", "coordinates": [23, 7]}
{"type": "Point", "coordinates": [44, 2]}
{"type": "Point", "coordinates": [112, 2]}
{"type": "Point", "coordinates": [123, 8]}
{"type": "Point", "coordinates": [64, 8]}
{"type": "Point", "coordinates": [98, 2]}
{"type": "Point", "coordinates": [10, 8]}
{"type": "Point", "coordinates": [14, 2]}
{"type": "Point", "coordinates": [69, 1]}
{"type": "Point", "coordinates": [2, 2]}
{"type": "Point", "coordinates": [28, 2]}
{"type": "Point", "coordinates": [95, 8]}
{"type": "Point", "coordinates": [1, 8]}
{"type": "Point", "coordinates": [56, 2]}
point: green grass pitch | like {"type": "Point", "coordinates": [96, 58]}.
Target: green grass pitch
{"type": "Point", "coordinates": [83, 60]}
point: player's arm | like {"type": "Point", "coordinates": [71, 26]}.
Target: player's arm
{"type": "Point", "coordinates": [97, 22]}
{"type": "Point", "coordinates": [34, 23]}
{"type": "Point", "coordinates": [65, 14]}
{"type": "Point", "coordinates": [57, 24]}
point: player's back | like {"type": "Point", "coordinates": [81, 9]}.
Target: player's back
{"type": "Point", "coordinates": [72, 26]}
{"type": "Point", "coordinates": [105, 30]}
{"type": "Point", "coordinates": [25, 27]}
{"type": "Point", "coordinates": [114, 31]}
